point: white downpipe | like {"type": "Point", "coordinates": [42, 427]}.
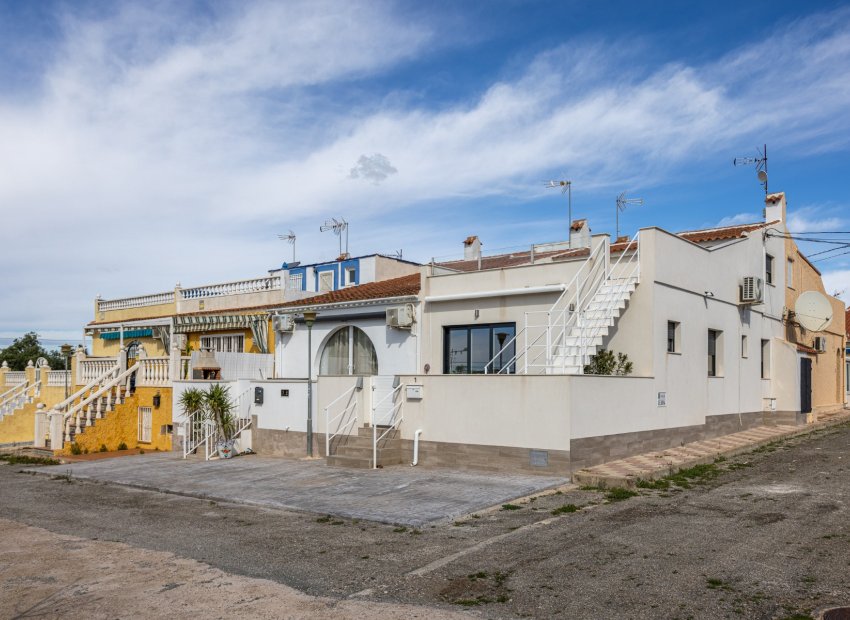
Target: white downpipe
{"type": "Point", "coordinates": [416, 447]}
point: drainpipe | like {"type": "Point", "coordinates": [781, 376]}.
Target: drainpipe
{"type": "Point", "coordinates": [416, 447]}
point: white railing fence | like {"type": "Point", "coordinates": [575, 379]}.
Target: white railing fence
{"type": "Point", "coordinates": [135, 302]}
{"type": "Point", "coordinates": [90, 369]}
{"type": "Point", "coordinates": [18, 396]}
{"type": "Point", "coordinates": [390, 422]}
{"type": "Point", "coordinates": [345, 419]}
{"type": "Point", "coordinates": [85, 391]}
{"type": "Point", "coordinates": [59, 378]}
{"type": "Point", "coordinates": [255, 285]}
{"type": "Point", "coordinates": [198, 431]}
{"type": "Point", "coordinates": [16, 377]}
{"type": "Point", "coordinates": [154, 372]}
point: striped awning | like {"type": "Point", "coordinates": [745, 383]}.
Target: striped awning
{"type": "Point", "coordinates": [184, 324]}
{"type": "Point", "coordinates": [128, 333]}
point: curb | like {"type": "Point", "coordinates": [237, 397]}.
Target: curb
{"type": "Point", "coordinates": [590, 478]}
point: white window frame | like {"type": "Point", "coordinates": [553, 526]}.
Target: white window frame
{"type": "Point", "coordinates": [769, 266]}
{"type": "Point", "coordinates": [296, 281]}
{"type": "Point", "coordinates": [224, 343]}
{"type": "Point", "coordinates": [745, 345]}
{"type": "Point", "coordinates": [765, 358]}
{"type": "Point", "coordinates": [677, 328]}
{"type": "Point", "coordinates": [326, 278]}
{"type": "Point", "coordinates": [350, 275]}
{"type": "Point", "coordinates": [789, 273]}
{"type": "Point", "coordinates": [145, 424]}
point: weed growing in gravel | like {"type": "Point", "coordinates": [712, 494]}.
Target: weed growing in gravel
{"type": "Point", "coordinates": [661, 483]}
{"type": "Point", "coordinates": [399, 529]}
{"type": "Point", "coordinates": [698, 474]}
{"type": "Point", "coordinates": [566, 508]}
{"type": "Point", "coordinates": [20, 459]}
{"type": "Point", "coordinates": [472, 602]}
{"type": "Point", "coordinates": [479, 575]}
{"type": "Point", "coordinates": [618, 494]}
{"type": "Point", "coordinates": [122, 446]}
{"type": "Point", "coordinates": [511, 507]}
{"type": "Point", "coordinates": [66, 477]}
{"type": "Point", "coordinates": [325, 519]}
{"type": "Point", "coordinates": [717, 584]}
{"type": "Point", "coordinates": [743, 465]}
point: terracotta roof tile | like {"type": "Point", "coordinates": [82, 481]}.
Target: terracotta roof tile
{"type": "Point", "coordinates": [805, 349]}
{"type": "Point", "coordinates": [723, 232]}
{"type": "Point", "coordinates": [396, 287]}
{"type": "Point", "coordinates": [774, 197]}
{"type": "Point", "coordinates": [578, 224]}
{"type": "Point", "coordinates": [847, 322]}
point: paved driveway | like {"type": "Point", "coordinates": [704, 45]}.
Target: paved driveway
{"type": "Point", "coordinates": [403, 495]}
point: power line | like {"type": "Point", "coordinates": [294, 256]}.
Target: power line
{"type": "Point", "coordinates": [833, 256]}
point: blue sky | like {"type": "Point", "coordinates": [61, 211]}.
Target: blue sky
{"type": "Point", "coordinates": [150, 143]}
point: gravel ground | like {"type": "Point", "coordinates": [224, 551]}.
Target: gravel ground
{"type": "Point", "coordinates": [763, 535]}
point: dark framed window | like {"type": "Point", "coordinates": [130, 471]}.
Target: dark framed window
{"type": "Point", "coordinates": [469, 349]}
{"type": "Point", "coordinates": [768, 268]}
{"type": "Point", "coordinates": [672, 337]}
{"type": "Point", "coordinates": [713, 336]}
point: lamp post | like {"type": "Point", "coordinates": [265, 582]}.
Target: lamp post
{"type": "Point", "coordinates": [66, 353]}
{"type": "Point", "coordinates": [309, 319]}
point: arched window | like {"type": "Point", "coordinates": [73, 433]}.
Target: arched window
{"type": "Point", "coordinates": [349, 352]}
{"type": "Point", "coordinates": [133, 350]}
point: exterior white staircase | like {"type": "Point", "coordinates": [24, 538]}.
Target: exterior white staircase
{"type": "Point", "coordinates": [562, 339]}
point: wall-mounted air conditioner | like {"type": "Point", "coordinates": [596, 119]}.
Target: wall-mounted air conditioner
{"type": "Point", "coordinates": [284, 323]}
{"type": "Point", "coordinates": [401, 317]}
{"type": "Point", "coordinates": [752, 290]}
{"type": "Point", "coordinates": [820, 344]}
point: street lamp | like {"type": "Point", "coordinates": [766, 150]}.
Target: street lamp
{"type": "Point", "coordinates": [309, 319]}
{"type": "Point", "coordinates": [66, 353]}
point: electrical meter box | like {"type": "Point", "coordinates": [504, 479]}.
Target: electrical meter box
{"type": "Point", "coordinates": [258, 396]}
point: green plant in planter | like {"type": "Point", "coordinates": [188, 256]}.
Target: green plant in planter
{"type": "Point", "coordinates": [608, 363]}
{"type": "Point", "coordinates": [193, 404]}
{"type": "Point", "coordinates": [218, 409]}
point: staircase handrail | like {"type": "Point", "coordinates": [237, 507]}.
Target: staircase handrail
{"type": "Point", "coordinates": [18, 393]}
{"type": "Point", "coordinates": [351, 407]}
{"type": "Point", "coordinates": [395, 423]}
{"type": "Point", "coordinates": [626, 281]}
{"type": "Point", "coordinates": [59, 406]}
{"type": "Point", "coordinates": [100, 392]}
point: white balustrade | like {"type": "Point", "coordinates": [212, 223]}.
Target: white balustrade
{"type": "Point", "coordinates": [256, 285]}
{"type": "Point", "coordinates": [136, 302]}
{"type": "Point", "coordinates": [15, 377]}
{"type": "Point", "coordinates": [59, 378]}
{"type": "Point", "coordinates": [154, 372]}
{"type": "Point", "coordinates": [90, 369]}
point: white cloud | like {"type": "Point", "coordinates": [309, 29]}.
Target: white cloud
{"type": "Point", "coordinates": [838, 281]}
{"type": "Point", "coordinates": [814, 219]}
{"type": "Point", "coordinates": [739, 218]}
{"type": "Point", "coordinates": [157, 152]}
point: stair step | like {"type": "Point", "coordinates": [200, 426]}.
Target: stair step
{"type": "Point", "coordinates": [366, 431]}
{"type": "Point", "coordinates": [366, 452]}
{"type": "Point", "coordinates": [354, 462]}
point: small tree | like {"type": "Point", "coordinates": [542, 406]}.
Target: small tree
{"type": "Point", "coordinates": [608, 363]}
{"type": "Point", "coordinates": [219, 410]}
{"type": "Point", "coordinates": [28, 348]}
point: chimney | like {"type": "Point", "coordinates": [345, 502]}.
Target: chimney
{"type": "Point", "coordinates": [775, 207]}
{"type": "Point", "coordinates": [471, 248]}
{"type": "Point", "coordinates": [579, 234]}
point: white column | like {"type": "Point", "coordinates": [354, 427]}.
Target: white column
{"type": "Point", "coordinates": [40, 427]}
{"type": "Point", "coordinates": [57, 430]}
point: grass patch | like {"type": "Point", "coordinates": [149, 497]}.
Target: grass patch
{"type": "Point", "coordinates": [565, 509]}
{"type": "Point", "coordinates": [400, 529]}
{"type": "Point", "coordinates": [122, 446]}
{"type": "Point", "coordinates": [511, 507]}
{"type": "Point", "coordinates": [660, 484]}
{"type": "Point", "coordinates": [698, 474]}
{"type": "Point", "coordinates": [717, 584]}
{"type": "Point", "coordinates": [325, 519]}
{"type": "Point", "coordinates": [76, 449]}
{"type": "Point", "coordinates": [472, 602]}
{"type": "Point", "coordinates": [20, 459]}
{"type": "Point", "coordinates": [618, 494]}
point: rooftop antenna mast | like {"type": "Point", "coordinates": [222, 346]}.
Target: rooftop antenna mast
{"type": "Point", "coordinates": [760, 162]}
{"type": "Point", "coordinates": [290, 239]}
{"type": "Point", "coordinates": [337, 226]}
{"type": "Point", "coordinates": [622, 203]}
{"type": "Point", "coordinates": [566, 187]}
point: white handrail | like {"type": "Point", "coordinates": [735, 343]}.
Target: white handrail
{"type": "Point", "coordinates": [17, 397]}
{"type": "Point", "coordinates": [78, 394]}
{"type": "Point", "coordinates": [395, 422]}
{"type": "Point", "coordinates": [328, 419]}
{"type": "Point", "coordinates": [77, 409]}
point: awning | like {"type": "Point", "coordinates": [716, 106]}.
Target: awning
{"type": "Point", "coordinates": [257, 323]}
{"type": "Point", "coordinates": [128, 333]}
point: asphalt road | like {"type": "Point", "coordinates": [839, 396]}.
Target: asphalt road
{"type": "Point", "coordinates": [768, 537]}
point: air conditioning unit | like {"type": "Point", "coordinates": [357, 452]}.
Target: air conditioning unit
{"type": "Point", "coordinates": [820, 344]}
{"type": "Point", "coordinates": [284, 323]}
{"type": "Point", "coordinates": [752, 290]}
{"type": "Point", "coordinates": [401, 317]}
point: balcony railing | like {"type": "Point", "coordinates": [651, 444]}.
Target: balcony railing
{"type": "Point", "coordinates": [135, 302]}
{"type": "Point", "coordinates": [256, 285]}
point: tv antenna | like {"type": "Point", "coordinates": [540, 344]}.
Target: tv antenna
{"type": "Point", "coordinates": [622, 203]}
{"type": "Point", "coordinates": [760, 162]}
{"type": "Point", "coordinates": [398, 254]}
{"type": "Point", "coordinates": [337, 226]}
{"type": "Point", "coordinates": [290, 239]}
{"type": "Point", "coordinates": [566, 187]}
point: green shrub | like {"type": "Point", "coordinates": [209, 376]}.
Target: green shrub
{"type": "Point", "coordinates": [76, 449]}
{"type": "Point", "coordinates": [122, 446]}
{"type": "Point", "coordinates": [141, 451]}
{"type": "Point", "coordinates": [103, 448]}
{"type": "Point", "coordinates": [607, 363]}
{"type": "Point", "coordinates": [618, 494]}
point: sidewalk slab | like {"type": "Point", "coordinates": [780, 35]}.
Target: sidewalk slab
{"type": "Point", "coordinates": [653, 465]}
{"type": "Point", "coordinates": [411, 496]}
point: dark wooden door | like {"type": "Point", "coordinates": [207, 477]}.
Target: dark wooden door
{"type": "Point", "coordinates": [805, 385]}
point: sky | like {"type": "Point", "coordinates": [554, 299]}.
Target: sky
{"type": "Point", "coordinates": [149, 143]}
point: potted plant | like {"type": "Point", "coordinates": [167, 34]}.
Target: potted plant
{"type": "Point", "coordinates": [219, 411]}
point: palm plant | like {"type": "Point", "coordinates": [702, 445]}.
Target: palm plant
{"type": "Point", "coordinates": [218, 409]}
{"type": "Point", "coordinates": [193, 403]}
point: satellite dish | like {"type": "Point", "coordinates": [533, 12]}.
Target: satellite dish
{"type": "Point", "coordinates": [813, 311]}
{"type": "Point", "coordinates": [762, 175]}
